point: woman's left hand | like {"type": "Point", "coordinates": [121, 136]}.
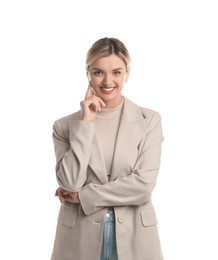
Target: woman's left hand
{"type": "Point", "coordinates": [68, 196]}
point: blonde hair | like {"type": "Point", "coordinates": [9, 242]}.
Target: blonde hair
{"type": "Point", "coordinates": [105, 47]}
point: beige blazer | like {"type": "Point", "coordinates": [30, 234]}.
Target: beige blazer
{"type": "Point", "coordinates": [133, 178]}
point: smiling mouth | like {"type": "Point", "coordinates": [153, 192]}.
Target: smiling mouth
{"type": "Point", "coordinates": [107, 89]}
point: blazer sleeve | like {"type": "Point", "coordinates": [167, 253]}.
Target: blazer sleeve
{"type": "Point", "coordinates": [72, 153]}
{"type": "Point", "coordinates": [136, 187]}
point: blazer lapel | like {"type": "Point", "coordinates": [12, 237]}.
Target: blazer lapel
{"type": "Point", "coordinates": [131, 131]}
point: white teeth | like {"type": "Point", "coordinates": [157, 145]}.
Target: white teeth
{"type": "Point", "coordinates": [107, 89]}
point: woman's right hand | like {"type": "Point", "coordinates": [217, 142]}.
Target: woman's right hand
{"type": "Point", "coordinates": [68, 196]}
{"type": "Point", "coordinates": [90, 105]}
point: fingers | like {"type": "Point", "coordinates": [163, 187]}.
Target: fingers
{"type": "Point", "coordinates": [64, 196]}
{"type": "Point", "coordinates": [60, 193]}
{"type": "Point", "coordinates": [56, 192]}
{"type": "Point", "coordinates": [75, 197]}
{"type": "Point", "coordinates": [91, 105]}
{"type": "Point", "coordinates": [89, 92]}
{"type": "Point", "coordinates": [94, 103]}
{"type": "Point", "coordinates": [102, 104]}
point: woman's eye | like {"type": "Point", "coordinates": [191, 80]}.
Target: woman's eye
{"type": "Point", "coordinates": [97, 73]}
{"type": "Point", "coordinates": [116, 73]}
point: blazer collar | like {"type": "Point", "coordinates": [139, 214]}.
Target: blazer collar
{"type": "Point", "coordinates": [131, 130]}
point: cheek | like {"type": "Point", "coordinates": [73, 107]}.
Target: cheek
{"type": "Point", "coordinates": [95, 81]}
{"type": "Point", "coordinates": [121, 81]}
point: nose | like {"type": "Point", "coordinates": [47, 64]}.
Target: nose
{"type": "Point", "coordinates": [107, 81]}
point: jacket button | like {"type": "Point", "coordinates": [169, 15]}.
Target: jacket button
{"type": "Point", "coordinates": [120, 219]}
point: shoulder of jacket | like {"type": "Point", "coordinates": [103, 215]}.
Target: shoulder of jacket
{"type": "Point", "coordinates": [63, 122]}
{"type": "Point", "coordinates": [149, 113]}
{"type": "Point", "coordinates": [144, 111]}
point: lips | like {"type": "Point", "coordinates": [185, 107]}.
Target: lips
{"type": "Point", "coordinates": [107, 89]}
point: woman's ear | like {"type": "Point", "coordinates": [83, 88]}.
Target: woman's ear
{"type": "Point", "coordinates": [127, 75]}
{"type": "Point", "coordinates": [87, 74]}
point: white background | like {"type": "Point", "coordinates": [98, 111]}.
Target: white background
{"type": "Point", "coordinates": [173, 45]}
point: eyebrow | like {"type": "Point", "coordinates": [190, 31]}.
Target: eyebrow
{"type": "Point", "coordinates": [112, 70]}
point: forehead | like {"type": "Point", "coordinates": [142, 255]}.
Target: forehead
{"type": "Point", "coordinates": [108, 63]}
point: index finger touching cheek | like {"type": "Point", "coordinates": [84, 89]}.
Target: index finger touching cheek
{"type": "Point", "coordinates": [89, 92]}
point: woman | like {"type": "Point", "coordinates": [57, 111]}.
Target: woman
{"type": "Point", "coordinates": [108, 157]}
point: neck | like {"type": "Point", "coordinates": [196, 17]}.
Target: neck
{"type": "Point", "coordinates": [113, 103]}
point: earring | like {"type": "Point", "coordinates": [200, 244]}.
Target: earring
{"type": "Point", "coordinates": [126, 80]}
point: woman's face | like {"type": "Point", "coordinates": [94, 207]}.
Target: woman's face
{"type": "Point", "coordinates": [107, 76]}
